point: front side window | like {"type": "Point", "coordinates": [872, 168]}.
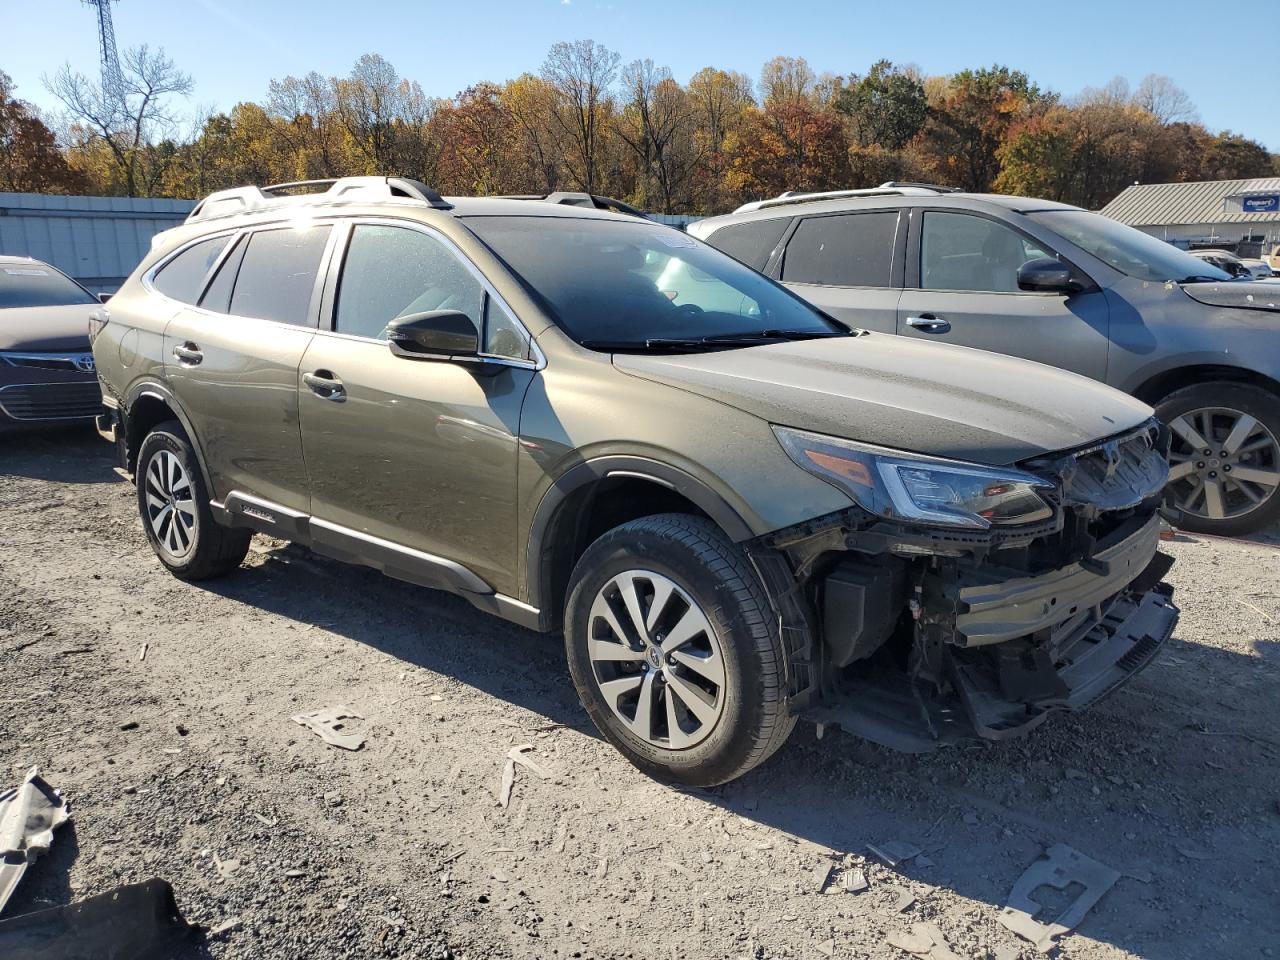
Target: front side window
{"type": "Point", "coordinates": [37, 284]}
{"type": "Point", "coordinates": [1130, 251]}
{"type": "Point", "coordinates": [963, 252]}
{"type": "Point", "coordinates": [629, 282]}
{"type": "Point", "coordinates": [182, 278]}
{"type": "Point", "coordinates": [393, 272]}
{"type": "Point", "coordinates": [848, 250]}
{"type": "Point", "coordinates": [278, 273]}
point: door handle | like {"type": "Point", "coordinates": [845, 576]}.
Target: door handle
{"type": "Point", "coordinates": [325, 384]}
{"type": "Point", "coordinates": [187, 353]}
{"type": "Point", "coordinates": [928, 323]}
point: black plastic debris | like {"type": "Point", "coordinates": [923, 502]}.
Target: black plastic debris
{"type": "Point", "coordinates": [140, 921]}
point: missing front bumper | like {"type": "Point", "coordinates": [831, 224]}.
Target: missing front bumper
{"type": "Point", "coordinates": [1005, 690]}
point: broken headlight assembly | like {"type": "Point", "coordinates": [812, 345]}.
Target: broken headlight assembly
{"type": "Point", "coordinates": [928, 490]}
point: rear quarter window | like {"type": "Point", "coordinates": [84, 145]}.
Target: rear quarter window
{"type": "Point", "coordinates": [750, 242]}
{"type": "Point", "coordinates": [182, 278]}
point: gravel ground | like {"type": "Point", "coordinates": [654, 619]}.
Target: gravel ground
{"type": "Point", "coordinates": [298, 849]}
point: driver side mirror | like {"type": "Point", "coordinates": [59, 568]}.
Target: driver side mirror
{"type": "Point", "coordinates": [1046, 275]}
{"type": "Point", "coordinates": [435, 335]}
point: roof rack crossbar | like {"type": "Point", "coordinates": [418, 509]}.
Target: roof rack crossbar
{"type": "Point", "coordinates": [575, 198]}
{"type": "Point", "coordinates": [243, 199]}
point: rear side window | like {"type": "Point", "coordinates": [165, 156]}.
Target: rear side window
{"type": "Point", "coordinates": [848, 250]}
{"type": "Point", "coordinates": [278, 273]}
{"type": "Point", "coordinates": [182, 278]}
{"type": "Point", "coordinates": [750, 242]}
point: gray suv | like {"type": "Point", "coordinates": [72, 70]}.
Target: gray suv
{"type": "Point", "coordinates": [1059, 285]}
{"type": "Point", "coordinates": [738, 511]}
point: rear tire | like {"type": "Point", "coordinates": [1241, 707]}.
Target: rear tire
{"type": "Point", "coordinates": [174, 506]}
{"type": "Point", "coordinates": [717, 690]}
{"type": "Point", "coordinates": [1234, 470]}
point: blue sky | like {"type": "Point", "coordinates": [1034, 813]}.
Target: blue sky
{"type": "Point", "coordinates": [233, 47]}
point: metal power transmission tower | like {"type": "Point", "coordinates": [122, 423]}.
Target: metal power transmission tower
{"type": "Point", "coordinates": [112, 77]}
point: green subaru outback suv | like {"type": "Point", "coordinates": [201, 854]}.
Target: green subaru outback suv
{"type": "Point", "coordinates": [738, 511]}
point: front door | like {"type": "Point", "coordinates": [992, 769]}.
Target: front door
{"type": "Point", "coordinates": [962, 287]}
{"type": "Point", "coordinates": [233, 362]}
{"type": "Point", "coordinates": [419, 454]}
{"type": "Point", "coordinates": [845, 265]}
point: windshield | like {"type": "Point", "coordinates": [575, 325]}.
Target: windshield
{"type": "Point", "coordinates": [1128, 250]}
{"type": "Point", "coordinates": [38, 285]}
{"type": "Point", "coordinates": [613, 284]}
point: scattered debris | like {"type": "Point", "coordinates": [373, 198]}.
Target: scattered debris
{"type": "Point", "coordinates": [508, 781]}
{"type": "Point", "coordinates": [854, 880]}
{"type": "Point", "coordinates": [520, 755]}
{"type": "Point", "coordinates": [827, 947]}
{"type": "Point", "coordinates": [129, 725]}
{"type": "Point", "coordinates": [229, 925]}
{"type": "Point", "coordinates": [328, 724]}
{"type": "Point", "coordinates": [29, 813]}
{"type": "Point", "coordinates": [905, 898]}
{"type": "Point", "coordinates": [894, 852]}
{"type": "Point", "coordinates": [1060, 868]}
{"type": "Point", "coordinates": [602, 868]}
{"type": "Point", "coordinates": [924, 940]}
{"type": "Point", "coordinates": [140, 921]}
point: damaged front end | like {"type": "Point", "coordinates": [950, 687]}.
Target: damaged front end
{"type": "Point", "coordinates": [914, 635]}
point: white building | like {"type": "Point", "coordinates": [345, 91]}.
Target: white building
{"type": "Point", "coordinates": [1238, 215]}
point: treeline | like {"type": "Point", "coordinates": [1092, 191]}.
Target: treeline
{"type": "Point", "coordinates": [586, 121]}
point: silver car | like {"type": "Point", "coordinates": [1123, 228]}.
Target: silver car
{"type": "Point", "coordinates": [1053, 283]}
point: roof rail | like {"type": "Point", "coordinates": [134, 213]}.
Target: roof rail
{"type": "Point", "coordinates": [226, 203]}
{"type": "Point", "coordinates": [890, 189]}
{"type": "Point", "coordinates": [575, 199]}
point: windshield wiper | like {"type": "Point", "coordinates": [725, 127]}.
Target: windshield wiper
{"type": "Point", "coordinates": [753, 338]}
{"type": "Point", "coordinates": [1200, 278]}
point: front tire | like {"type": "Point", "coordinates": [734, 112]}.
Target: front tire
{"type": "Point", "coordinates": [174, 506]}
{"type": "Point", "coordinates": [675, 652]}
{"type": "Point", "coordinates": [1224, 475]}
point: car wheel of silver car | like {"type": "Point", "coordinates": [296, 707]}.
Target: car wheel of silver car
{"type": "Point", "coordinates": [1224, 458]}
{"type": "Point", "coordinates": [674, 651]}
{"type": "Point", "coordinates": [175, 511]}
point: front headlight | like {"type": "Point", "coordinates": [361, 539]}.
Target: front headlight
{"type": "Point", "coordinates": [925, 489]}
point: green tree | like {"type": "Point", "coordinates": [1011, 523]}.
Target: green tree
{"type": "Point", "coordinates": [885, 108]}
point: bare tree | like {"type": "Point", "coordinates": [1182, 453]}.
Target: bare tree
{"type": "Point", "coordinates": [658, 126]}
{"type": "Point", "coordinates": [581, 74]}
{"type": "Point", "coordinates": [787, 78]}
{"type": "Point", "coordinates": [1165, 100]}
{"type": "Point", "coordinates": [132, 126]}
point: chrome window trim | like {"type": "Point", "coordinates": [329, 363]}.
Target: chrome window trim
{"type": "Point", "coordinates": [539, 360]}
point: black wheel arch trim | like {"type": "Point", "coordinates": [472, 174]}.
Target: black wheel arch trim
{"type": "Point", "coordinates": [600, 468]}
{"type": "Point", "coordinates": [157, 391]}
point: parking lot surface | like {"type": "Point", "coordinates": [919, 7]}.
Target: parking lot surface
{"type": "Point", "coordinates": [163, 711]}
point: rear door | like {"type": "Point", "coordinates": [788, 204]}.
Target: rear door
{"type": "Point", "coordinates": [419, 454]}
{"type": "Point", "coordinates": [232, 361]}
{"type": "Point", "coordinates": [848, 265]}
{"type": "Point", "coordinates": [962, 287]}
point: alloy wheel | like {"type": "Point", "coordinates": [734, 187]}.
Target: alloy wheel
{"type": "Point", "coordinates": [656, 659]}
{"type": "Point", "coordinates": [1223, 463]}
{"type": "Point", "coordinates": [171, 508]}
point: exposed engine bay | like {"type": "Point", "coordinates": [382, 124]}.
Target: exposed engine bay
{"type": "Point", "coordinates": [915, 636]}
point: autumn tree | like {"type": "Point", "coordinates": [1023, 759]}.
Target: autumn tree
{"type": "Point", "coordinates": [657, 125]}
{"type": "Point", "coordinates": [720, 98]}
{"type": "Point", "coordinates": [581, 75]}
{"type": "Point", "coordinates": [30, 160]}
{"type": "Point", "coordinates": [787, 145]}
{"type": "Point", "coordinates": [786, 78]}
{"type": "Point", "coordinates": [133, 126]}
{"type": "Point", "coordinates": [968, 124]}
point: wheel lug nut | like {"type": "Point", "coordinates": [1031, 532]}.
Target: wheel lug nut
{"type": "Point", "coordinates": [1226, 468]}
{"type": "Point", "coordinates": [1212, 474]}
{"type": "Point", "coordinates": [1200, 464]}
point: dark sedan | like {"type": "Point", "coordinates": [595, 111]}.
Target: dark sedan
{"type": "Point", "coordinates": [46, 368]}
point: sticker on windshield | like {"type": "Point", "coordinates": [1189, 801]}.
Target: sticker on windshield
{"type": "Point", "coordinates": [26, 272]}
{"type": "Point", "coordinates": [675, 239]}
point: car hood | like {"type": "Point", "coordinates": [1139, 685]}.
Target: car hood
{"type": "Point", "coordinates": [46, 328]}
{"type": "Point", "coordinates": [898, 392]}
{"type": "Point", "coordinates": [1248, 294]}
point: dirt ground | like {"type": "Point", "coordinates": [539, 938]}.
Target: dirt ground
{"type": "Point", "coordinates": [297, 849]}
